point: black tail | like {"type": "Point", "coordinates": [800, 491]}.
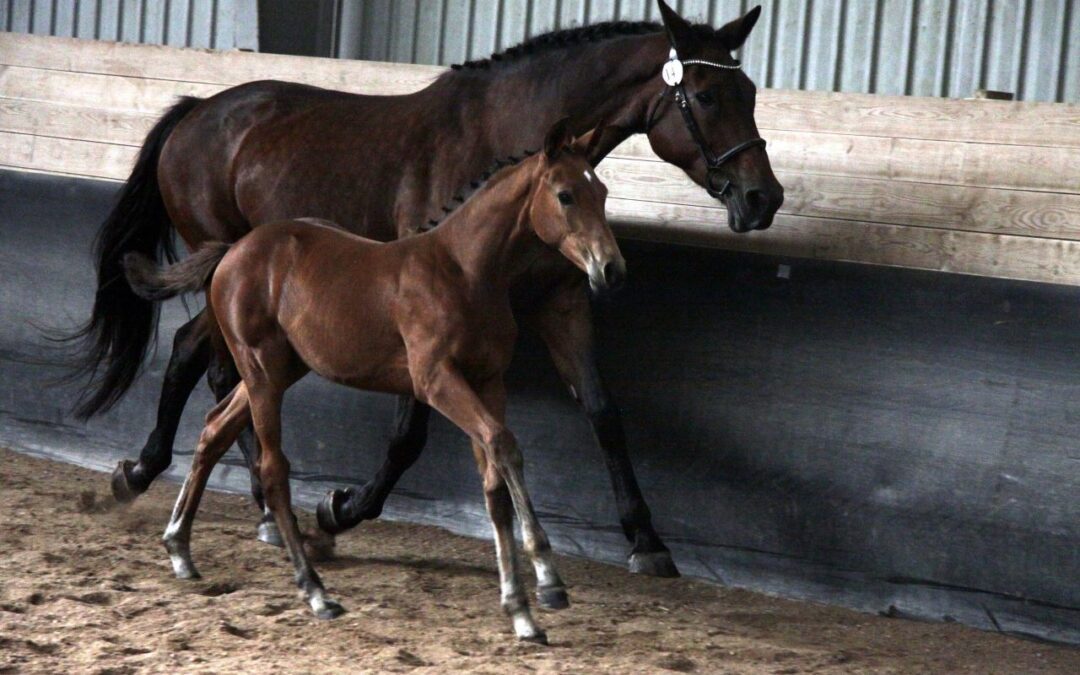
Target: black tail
{"type": "Point", "coordinates": [122, 324]}
{"type": "Point", "coordinates": [154, 282]}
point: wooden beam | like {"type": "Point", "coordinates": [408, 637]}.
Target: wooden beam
{"type": "Point", "coordinates": [1050, 169]}
{"type": "Point", "coordinates": [994, 255]}
{"type": "Point", "coordinates": [1016, 123]}
{"type": "Point", "coordinates": [1019, 212]}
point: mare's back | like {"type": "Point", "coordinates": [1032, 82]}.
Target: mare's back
{"type": "Point", "coordinates": [269, 150]}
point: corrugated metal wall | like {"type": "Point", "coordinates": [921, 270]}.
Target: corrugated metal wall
{"type": "Point", "coordinates": [917, 47]}
{"type": "Point", "coordinates": [219, 24]}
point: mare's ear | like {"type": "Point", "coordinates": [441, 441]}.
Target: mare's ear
{"type": "Point", "coordinates": [558, 137]}
{"type": "Point", "coordinates": [733, 34]}
{"type": "Point", "coordinates": [679, 31]}
{"type": "Point", "coordinates": [586, 144]}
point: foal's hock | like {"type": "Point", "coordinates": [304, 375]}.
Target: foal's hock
{"type": "Point", "coordinates": [427, 316]}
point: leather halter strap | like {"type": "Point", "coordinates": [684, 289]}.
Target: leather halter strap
{"type": "Point", "coordinates": [713, 162]}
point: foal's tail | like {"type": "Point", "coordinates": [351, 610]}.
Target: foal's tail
{"type": "Point", "coordinates": [122, 325]}
{"type": "Point", "coordinates": [153, 282]}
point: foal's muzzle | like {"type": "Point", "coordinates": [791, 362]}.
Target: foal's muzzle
{"type": "Point", "coordinates": [608, 277]}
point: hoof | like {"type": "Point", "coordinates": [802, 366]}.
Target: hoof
{"type": "Point", "coordinates": [537, 638]}
{"type": "Point", "coordinates": [188, 573]}
{"type": "Point", "coordinates": [329, 610]}
{"type": "Point", "coordinates": [122, 489]}
{"type": "Point", "coordinates": [267, 532]}
{"type": "Point", "coordinates": [655, 564]}
{"type": "Point", "coordinates": [328, 507]}
{"type": "Point", "coordinates": [552, 597]}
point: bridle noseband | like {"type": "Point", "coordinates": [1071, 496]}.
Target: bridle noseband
{"type": "Point", "coordinates": [672, 74]}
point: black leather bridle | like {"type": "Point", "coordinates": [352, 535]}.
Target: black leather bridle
{"type": "Point", "coordinates": [674, 81]}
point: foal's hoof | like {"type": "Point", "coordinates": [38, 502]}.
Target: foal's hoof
{"type": "Point", "coordinates": [537, 638]}
{"type": "Point", "coordinates": [326, 512]}
{"type": "Point", "coordinates": [122, 488]}
{"type": "Point", "coordinates": [552, 597]}
{"type": "Point", "coordinates": [329, 610]}
{"type": "Point", "coordinates": [268, 532]}
{"type": "Point", "coordinates": [654, 564]}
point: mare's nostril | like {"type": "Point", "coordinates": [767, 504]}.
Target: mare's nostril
{"type": "Point", "coordinates": [756, 201]}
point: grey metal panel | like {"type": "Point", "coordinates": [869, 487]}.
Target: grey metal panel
{"type": "Point", "coordinates": [914, 47]}
{"type": "Point", "coordinates": [181, 23]}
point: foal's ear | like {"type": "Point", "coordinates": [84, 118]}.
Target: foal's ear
{"type": "Point", "coordinates": [679, 31]}
{"type": "Point", "coordinates": [733, 34]}
{"type": "Point", "coordinates": [558, 137]}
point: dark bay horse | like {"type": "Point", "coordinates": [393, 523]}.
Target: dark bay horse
{"type": "Point", "coordinates": [427, 316]}
{"type": "Point", "coordinates": [386, 167]}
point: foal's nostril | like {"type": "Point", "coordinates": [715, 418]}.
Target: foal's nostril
{"type": "Point", "coordinates": [756, 201]}
{"type": "Point", "coordinates": [614, 275]}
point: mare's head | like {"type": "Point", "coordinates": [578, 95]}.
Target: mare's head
{"type": "Point", "coordinates": [566, 208]}
{"type": "Point", "coordinates": [704, 120]}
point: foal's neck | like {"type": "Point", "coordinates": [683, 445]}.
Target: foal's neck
{"type": "Point", "coordinates": [489, 236]}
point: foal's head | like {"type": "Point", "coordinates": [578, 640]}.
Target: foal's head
{"type": "Point", "coordinates": [566, 208]}
{"type": "Point", "coordinates": [704, 88]}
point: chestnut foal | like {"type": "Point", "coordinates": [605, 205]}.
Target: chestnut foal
{"type": "Point", "coordinates": [427, 316]}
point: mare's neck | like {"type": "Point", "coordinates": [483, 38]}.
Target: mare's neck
{"type": "Point", "coordinates": [614, 80]}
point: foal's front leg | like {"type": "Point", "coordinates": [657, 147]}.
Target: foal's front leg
{"type": "Point", "coordinates": [565, 324]}
{"type": "Point", "coordinates": [500, 462]}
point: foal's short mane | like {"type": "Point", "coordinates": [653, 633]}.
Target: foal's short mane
{"type": "Point", "coordinates": [470, 189]}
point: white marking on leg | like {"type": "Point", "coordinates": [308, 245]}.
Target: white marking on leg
{"type": "Point", "coordinates": [317, 600]}
{"type": "Point", "coordinates": [546, 574]}
{"type": "Point", "coordinates": [512, 594]}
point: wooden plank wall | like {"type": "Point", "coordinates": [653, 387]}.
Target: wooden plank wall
{"type": "Point", "coordinates": [974, 187]}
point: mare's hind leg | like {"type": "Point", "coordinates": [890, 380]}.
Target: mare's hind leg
{"type": "Point", "coordinates": [565, 324]}
{"type": "Point", "coordinates": [190, 354]}
{"type": "Point", "coordinates": [344, 509]}
{"type": "Point", "coordinates": [223, 423]}
{"type": "Point", "coordinates": [222, 377]}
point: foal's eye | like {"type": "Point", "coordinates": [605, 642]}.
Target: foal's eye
{"type": "Point", "coordinates": [706, 98]}
{"type": "Point", "coordinates": [565, 198]}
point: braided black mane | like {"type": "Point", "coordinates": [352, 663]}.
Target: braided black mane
{"type": "Point", "coordinates": [559, 39]}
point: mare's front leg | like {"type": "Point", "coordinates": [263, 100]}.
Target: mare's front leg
{"type": "Point", "coordinates": [501, 466]}
{"type": "Point", "coordinates": [340, 510]}
{"type": "Point", "coordinates": [565, 324]}
{"type": "Point", "coordinates": [187, 363]}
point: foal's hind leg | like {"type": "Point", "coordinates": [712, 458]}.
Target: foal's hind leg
{"type": "Point", "coordinates": [190, 354]}
{"type": "Point", "coordinates": [274, 470]}
{"type": "Point", "coordinates": [223, 377]}
{"type": "Point", "coordinates": [223, 423]}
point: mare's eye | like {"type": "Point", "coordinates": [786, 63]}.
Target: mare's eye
{"type": "Point", "coordinates": [706, 98]}
{"type": "Point", "coordinates": [565, 198]}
